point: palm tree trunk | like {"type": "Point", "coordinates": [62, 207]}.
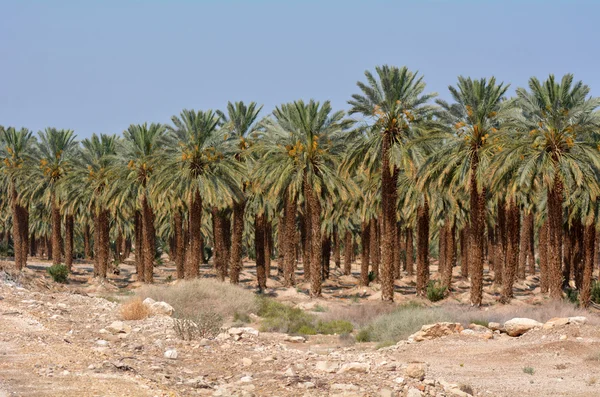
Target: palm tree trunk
{"type": "Point", "coordinates": [543, 252]}
{"type": "Point", "coordinates": [422, 248]}
{"type": "Point", "coordinates": [449, 253]}
{"type": "Point", "coordinates": [119, 247]}
{"type": "Point", "coordinates": [268, 247]}
{"type": "Point", "coordinates": [442, 269]}
{"type": "Point", "coordinates": [48, 242]}
{"type": "Point", "coordinates": [326, 252]}
{"type": "Point", "coordinates": [589, 242]}
{"type": "Point", "coordinates": [289, 241]}
{"type": "Point", "coordinates": [410, 252]}
{"type": "Point", "coordinates": [69, 241]}
{"type": "Point", "coordinates": [219, 243]}
{"type": "Point", "coordinates": [374, 249]}
{"type": "Point", "coordinates": [531, 245]}
{"type": "Point", "coordinates": [195, 254]}
{"type": "Point", "coordinates": [236, 241]}
{"type": "Point", "coordinates": [348, 253]}
{"type": "Point", "coordinates": [227, 240]}
{"type": "Point", "coordinates": [388, 205]}
{"type": "Point", "coordinates": [139, 244]}
{"type": "Point", "coordinates": [512, 251]}
{"type": "Point", "coordinates": [56, 231]}
{"type": "Point", "coordinates": [316, 258]}
{"type": "Point", "coordinates": [464, 251]}
{"type": "Point", "coordinates": [365, 258]}
{"type": "Point", "coordinates": [103, 243]}
{"type": "Point", "coordinates": [148, 236]}
{"type": "Point", "coordinates": [280, 245]}
{"type": "Point", "coordinates": [17, 229]}
{"type": "Point", "coordinates": [502, 243]}
{"type": "Point", "coordinates": [524, 249]}
{"type": "Point", "coordinates": [477, 235]}
{"type": "Point", "coordinates": [305, 242]}
{"type": "Point", "coordinates": [178, 245]}
{"type": "Point", "coordinates": [337, 257]}
{"type": "Point", "coordinates": [577, 253]}
{"type": "Point", "coordinates": [555, 241]}
{"type": "Point", "coordinates": [259, 247]}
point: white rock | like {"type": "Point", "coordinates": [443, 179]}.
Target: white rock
{"type": "Point", "coordinates": [308, 385]}
{"type": "Point", "coordinates": [289, 373]}
{"type": "Point", "coordinates": [355, 367]}
{"type": "Point", "coordinates": [118, 327]}
{"type": "Point", "coordinates": [161, 309]}
{"type": "Point", "coordinates": [222, 337]}
{"type": "Point", "coordinates": [416, 371]}
{"type": "Point", "coordinates": [102, 342]}
{"type": "Point", "coordinates": [246, 362]}
{"type": "Point", "coordinates": [148, 301]}
{"type": "Point", "coordinates": [399, 380]}
{"type": "Point", "coordinates": [563, 337]}
{"type": "Point", "coordinates": [579, 320]}
{"type": "Point", "coordinates": [518, 326]}
{"type": "Point", "coordinates": [412, 392]}
{"type": "Point", "coordinates": [326, 366]}
{"type": "Point", "coordinates": [295, 339]}
{"type": "Point", "coordinates": [386, 393]}
{"type": "Point", "coordinates": [246, 379]}
{"type": "Point", "coordinates": [171, 354]}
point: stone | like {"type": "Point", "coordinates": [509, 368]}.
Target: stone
{"type": "Point", "coordinates": [556, 322]}
{"type": "Point", "coordinates": [326, 366]}
{"type": "Point", "coordinates": [429, 382]}
{"type": "Point", "coordinates": [161, 309]}
{"type": "Point", "coordinates": [246, 362]}
{"type": "Point", "coordinates": [308, 385]}
{"type": "Point", "coordinates": [457, 392]}
{"type": "Point", "coordinates": [148, 301]}
{"type": "Point", "coordinates": [242, 331]}
{"type": "Point", "coordinates": [563, 337]}
{"type": "Point", "coordinates": [118, 327]}
{"type": "Point", "coordinates": [222, 337]}
{"type": "Point", "coordinates": [579, 320]}
{"type": "Point", "coordinates": [437, 330]}
{"type": "Point", "coordinates": [386, 393]}
{"type": "Point", "coordinates": [246, 379]}
{"type": "Point", "coordinates": [295, 339]}
{"type": "Point", "coordinates": [415, 371]}
{"type": "Point", "coordinates": [171, 354]}
{"type": "Point", "coordinates": [289, 373]}
{"type": "Point", "coordinates": [344, 386]}
{"type": "Point", "coordinates": [355, 367]}
{"type": "Point", "coordinates": [102, 342]}
{"type": "Point", "coordinates": [495, 326]}
{"type": "Point", "coordinates": [399, 380]}
{"type": "Point", "coordinates": [412, 392]}
{"type": "Point", "coordinates": [519, 326]}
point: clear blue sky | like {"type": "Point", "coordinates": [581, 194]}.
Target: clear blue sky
{"type": "Point", "coordinates": [98, 66]}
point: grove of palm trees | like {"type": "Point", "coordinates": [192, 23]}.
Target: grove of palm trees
{"type": "Point", "coordinates": [486, 183]}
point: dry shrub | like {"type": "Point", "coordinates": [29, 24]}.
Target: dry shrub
{"type": "Point", "coordinates": [191, 299]}
{"type": "Point", "coordinates": [134, 310]}
{"type": "Point", "coordinates": [205, 325]}
{"type": "Point", "coordinates": [358, 315]}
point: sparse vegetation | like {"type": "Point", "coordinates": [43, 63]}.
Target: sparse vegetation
{"type": "Point", "coordinates": [435, 291]}
{"type": "Point", "coordinates": [134, 310]}
{"type": "Point", "coordinates": [528, 370]}
{"type": "Point", "coordinates": [59, 273]}
{"type": "Point", "coordinates": [206, 324]}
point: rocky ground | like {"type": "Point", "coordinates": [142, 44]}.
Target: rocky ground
{"type": "Point", "coordinates": [69, 341]}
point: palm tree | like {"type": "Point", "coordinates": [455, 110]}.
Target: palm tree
{"type": "Point", "coordinates": [395, 103]}
{"type": "Point", "coordinates": [15, 154]}
{"type": "Point", "coordinates": [555, 147]}
{"type": "Point", "coordinates": [300, 155]}
{"type": "Point", "coordinates": [201, 168]}
{"type": "Point", "coordinates": [239, 121]}
{"type": "Point", "coordinates": [143, 151]}
{"type": "Point", "coordinates": [56, 153]}
{"type": "Point", "coordinates": [466, 153]}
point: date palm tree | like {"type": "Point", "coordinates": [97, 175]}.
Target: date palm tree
{"type": "Point", "coordinates": [394, 103]}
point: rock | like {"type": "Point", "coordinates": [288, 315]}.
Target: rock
{"type": "Point", "coordinates": [478, 331]}
{"type": "Point", "coordinates": [171, 354]}
{"type": "Point", "coordinates": [308, 385]}
{"type": "Point", "coordinates": [241, 331]}
{"type": "Point", "coordinates": [429, 382]}
{"type": "Point", "coordinates": [355, 367]}
{"type": "Point", "coordinates": [295, 339]}
{"type": "Point", "coordinates": [518, 326]}
{"type": "Point", "coordinates": [326, 366]}
{"type": "Point", "coordinates": [412, 392]}
{"type": "Point", "coordinates": [437, 330]}
{"type": "Point", "coordinates": [399, 380]}
{"type": "Point", "coordinates": [579, 320]}
{"type": "Point", "coordinates": [289, 373]}
{"type": "Point", "coordinates": [556, 322]}
{"type": "Point", "coordinates": [102, 342]}
{"type": "Point", "coordinates": [246, 379]}
{"type": "Point", "coordinates": [344, 386]}
{"type": "Point", "coordinates": [457, 392]}
{"type": "Point", "coordinates": [415, 371]}
{"type": "Point", "coordinates": [495, 326]}
{"type": "Point", "coordinates": [118, 327]}
{"type": "Point", "coordinates": [246, 362]}
{"type": "Point", "coordinates": [148, 301]}
{"type": "Point", "coordinates": [161, 309]}
{"type": "Point", "coordinates": [222, 336]}
{"type": "Point", "coordinates": [386, 393]}
{"type": "Point", "coordinates": [563, 337]}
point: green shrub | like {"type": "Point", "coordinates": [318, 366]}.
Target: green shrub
{"type": "Point", "coordinates": [364, 335]}
{"type": "Point", "coordinates": [59, 273]}
{"type": "Point", "coordinates": [334, 327]}
{"type": "Point", "coordinates": [483, 323]}
{"type": "Point", "coordinates": [306, 330]}
{"type": "Point", "coordinates": [572, 295]}
{"type": "Point", "coordinates": [435, 291]}
{"type": "Point", "coordinates": [319, 309]}
{"type": "Point", "coordinates": [371, 276]}
{"type": "Point", "coordinates": [278, 317]}
{"type": "Point", "coordinates": [529, 370]}
{"type": "Point", "coordinates": [383, 344]}
{"type": "Point", "coordinates": [595, 292]}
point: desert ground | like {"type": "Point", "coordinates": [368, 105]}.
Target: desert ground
{"type": "Point", "coordinates": [71, 340]}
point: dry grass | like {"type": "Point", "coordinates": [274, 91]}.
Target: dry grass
{"type": "Point", "coordinates": [192, 298]}
{"type": "Point", "coordinates": [358, 314]}
{"type": "Point", "coordinates": [134, 310]}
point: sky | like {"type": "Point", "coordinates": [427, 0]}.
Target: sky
{"type": "Point", "coordinates": [98, 66]}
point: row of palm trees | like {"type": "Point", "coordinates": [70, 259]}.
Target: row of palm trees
{"type": "Point", "coordinates": [483, 179]}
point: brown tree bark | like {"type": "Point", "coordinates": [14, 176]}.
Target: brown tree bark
{"type": "Point", "coordinates": [422, 248]}
{"type": "Point", "coordinates": [305, 239]}
{"type": "Point", "coordinates": [410, 252]}
{"type": "Point", "coordinates": [69, 223]}
{"type": "Point", "coordinates": [348, 253]}
{"type": "Point", "coordinates": [525, 261]}
{"type": "Point", "coordinates": [219, 255]}
{"type": "Point", "coordinates": [148, 237]}
{"type": "Point", "coordinates": [442, 267]}
{"type": "Point", "coordinates": [316, 258]}
{"type": "Point", "coordinates": [178, 244]}
{"type": "Point", "coordinates": [374, 250]}
{"type": "Point", "coordinates": [589, 243]}
{"type": "Point", "coordinates": [236, 241]}
{"type": "Point", "coordinates": [259, 247]}
{"type": "Point", "coordinates": [48, 243]}
{"type": "Point", "coordinates": [388, 205]}
{"type": "Point", "coordinates": [289, 240]}
{"type": "Point", "coordinates": [87, 246]}
{"type": "Point", "coordinates": [326, 255]}
{"type": "Point", "coordinates": [464, 251]}
{"type": "Point", "coordinates": [227, 239]}
{"type": "Point", "coordinates": [512, 251]}
{"type": "Point", "coordinates": [337, 257]}
{"type": "Point", "coordinates": [555, 241]}
{"type": "Point", "coordinates": [20, 230]}
{"type": "Point", "coordinates": [365, 257]}
{"type": "Point", "coordinates": [139, 244]}
{"type": "Point", "coordinates": [476, 212]}
{"type": "Point", "coordinates": [195, 250]}
{"type": "Point", "coordinates": [449, 253]}
{"type": "Point", "coordinates": [56, 231]}
{"type": "Point", "coordinates": [268, 247]}
{"type": "Point", "coordinates": [501, 243]}
{"type": "Point", "coordinates": [543, 252]}
{"type": "Point", "coordinates": [531, 245]}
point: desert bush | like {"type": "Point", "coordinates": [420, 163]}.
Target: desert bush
{"type": "Point", "coordinates": [435, 291]}
{"type": "Point", "coordinates": [59, 273]}
{"type": "Point", "coordinates": [359, 315]}
{"type": "Point", "coordinates": [134, 310]}
{"type": "Point", "coordinates": [278, 317]}
{"type": "Point", "coordinates": [595, 293]}
{"type": "Point", "coordinates": [364, 335]}
{"type": "Point", "coordinates": [204, 325]}
{"type": "Point", "coordinates": [528, 370]}
{"type": "Point", "coordinates": [192, 298]}
{"type": "Point", "coordinates": [572, 296]}
{"type": "Point", "coordinates": [334, 327]}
